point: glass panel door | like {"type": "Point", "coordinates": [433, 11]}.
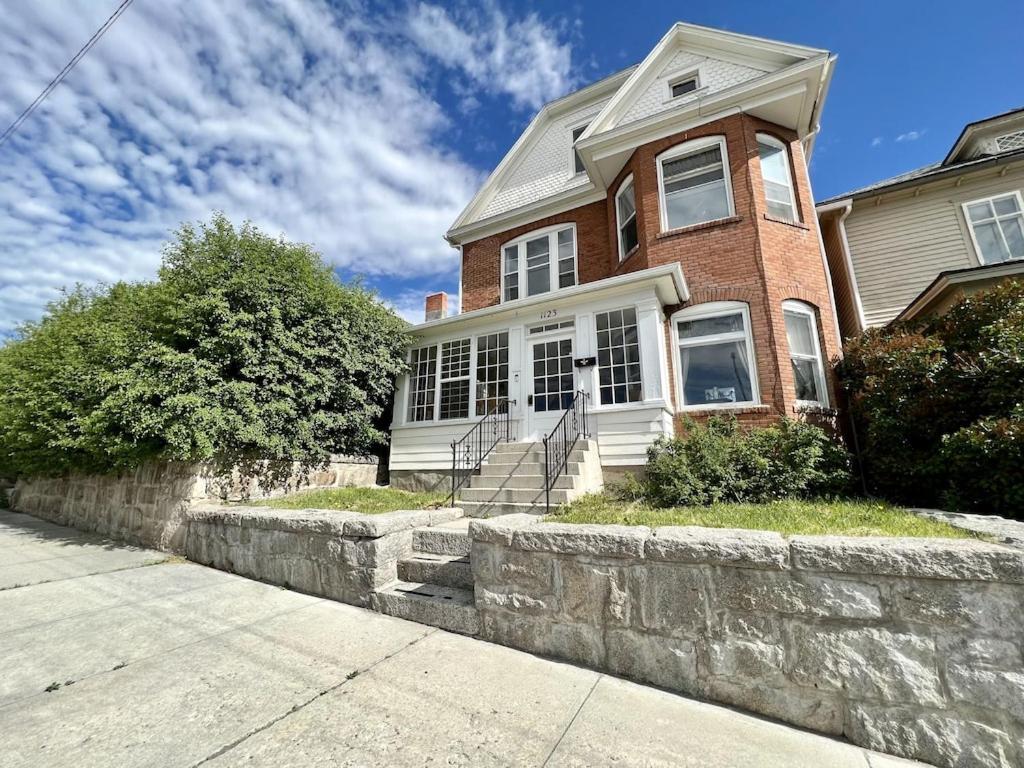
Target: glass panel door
{"type": "Point", "coordinates": [554, 382]}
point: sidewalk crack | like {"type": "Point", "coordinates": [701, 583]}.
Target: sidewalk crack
{"type": "Point", "coordinates": [572, 721]}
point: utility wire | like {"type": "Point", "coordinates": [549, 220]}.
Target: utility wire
{"type": "Point", "coordinates": [64, 72]}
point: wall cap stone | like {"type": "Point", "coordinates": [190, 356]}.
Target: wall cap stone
{"type": "Point", "coordinates": [741, 548]}
{"type": "Point", "coordinates": [572, 539]}
{"type": "Point", "coordinates": [327, 522]}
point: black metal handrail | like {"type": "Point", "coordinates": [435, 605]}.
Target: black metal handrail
{"type": "Point", "coordinates": [469, 452]}
{"type": "Point", "coordinates": [558, 444]}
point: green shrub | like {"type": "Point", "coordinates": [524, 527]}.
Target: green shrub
{"type": "Point", "coordinates": [719, 462]}
{"type": "Point", "coordinates": [246, 348]}
{"type": "Point", "coordinates": [936, 404]}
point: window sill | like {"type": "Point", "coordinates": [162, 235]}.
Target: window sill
{"type": "Point", "coordinates": [814, 408]}
{"type": "Point", "coordinates": [697, 227]}
{"type": "Point", "coordinates": [632, 252]}
{"type": "Point", "coordinates": [734, 410]}
{"type": "Point", "coordinates": [786, 222]}
{"type": "Point", "coordinates": [640, 405]}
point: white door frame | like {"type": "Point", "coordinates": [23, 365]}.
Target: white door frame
{"type": "Point", "coordinates": [539, 424]}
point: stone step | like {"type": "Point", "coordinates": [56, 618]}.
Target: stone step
{"type": "Point", "coordinates": [495, 509]}
{"type": "Point", "coordinates": [520, 480]}
{"type": "Point", "coordinates": [535, 468]}
{"type": "Point", "coordinates": [441, 540]}
{"type": "Point", "coordinates": [431, 604]}
{"type": "Point", "coordinates": [538, 446]}
{"type": "Point", "coordinates": [530, 457]}
{"type": "Point", "coordinates": [525, 495]}
{"type": "Point", "coordinates": [444, 570]}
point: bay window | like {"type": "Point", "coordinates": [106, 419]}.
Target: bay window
{"type": "Point", "coordinates": [694, 183]}
{"type": "Point", "coordinates": [541, 261]}
{"type": "Point", "coordinates": [716, 366]}
{"type": "Point", "coordinates": [618, 357]}
{"type": "Point", "coordinates": [997, 227]}
{"type": "Point", "coordinates": [777, 179]}
{"type": "Point", "coordinates": [625, 215]}
{"type": "Point", "coordinates": [805, 353]}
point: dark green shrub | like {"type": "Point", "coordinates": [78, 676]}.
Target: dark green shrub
{"type": "Point", "coordinates": [985, 464]}
{"type": "Point", "coordinates": [246, 348]}
{"type": "Point", "coordinates": [719, 462]}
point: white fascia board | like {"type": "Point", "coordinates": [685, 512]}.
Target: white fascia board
{"type": "Point", "coordinates": [667, 280]}
{"type": "Point", "coordinates": [944, 282]}
{"type": "Point", "coordinates": [541, 209]}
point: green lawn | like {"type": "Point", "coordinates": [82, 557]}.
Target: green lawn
{"type": "Point", "coordinates": [849, 518]}
{"type": "Point", "coordinates": [370, 501]}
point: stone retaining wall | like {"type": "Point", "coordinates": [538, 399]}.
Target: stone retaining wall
{"type": "Point", "coordinates": [909, 646]}
{"type": "Point", "coordinates": [147, 506]}
{"type": "Point", "coordinates": [340, 555]}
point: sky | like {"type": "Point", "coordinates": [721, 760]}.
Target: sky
{"type": "Point", "coordinates": [364, 128]}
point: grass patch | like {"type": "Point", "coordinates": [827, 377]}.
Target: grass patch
{"type": "Point", "coordinates": [848, 518]}
{"type": "Point", "coordinates": [370, 501]}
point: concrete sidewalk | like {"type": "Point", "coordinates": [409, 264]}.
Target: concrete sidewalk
{"type": "Point", "coordinates": [114, 656]}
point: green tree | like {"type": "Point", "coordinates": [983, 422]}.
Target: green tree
{"type": "Point", "coordinates": [246, 348]}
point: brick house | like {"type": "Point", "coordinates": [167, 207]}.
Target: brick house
{"type": "Point", "coordinates": [650, 241]}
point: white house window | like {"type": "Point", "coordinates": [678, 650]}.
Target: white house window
{"type": "Point", "coordinates": [577, 161]}
{"type": "Point", "coordinates": [625, 212]}
{"type": "Point", "coordinates": [618, 357]}
{"type": "Point", "coordinates": [455, 360]}
{"type": "Point", "coordinates": [805, 353]}
{"type": "Point", "coordinates": [491, 371]}
{"type": "Point", "coordinates": [540, 261]}
{"type": "Point", "coordinates": [715, 356]}
{"type": "Point", "coordinates": [683, 86]}
{"type": "Point", "coordinates": [778, 181]}
{"type": "Point", "coordinates": [997, 227]}
{"type": "Point", "coordinates": [422, 377]}
{"type": "Point", "coordinates": [693, 183]}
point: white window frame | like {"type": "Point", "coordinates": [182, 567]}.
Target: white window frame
{"type": "Point", "coordinates": [520, 243]}
{"type": "Point", "coordinates": [767, 138]}
{"type": "Point", "coordinates": [682, 78]}
{"type": "Point", "coordinates": [572, 148]}
{"type": "Point", "coordinates": [688, 148]}
{"type": "Point", "coordinates": [703, 312]}
{"type": "Point", "coordinates": [802, 308]}
{"type": "Point", "coordinates": [619, 223]}
{"type": "Point", "coordinates": [970, 225]}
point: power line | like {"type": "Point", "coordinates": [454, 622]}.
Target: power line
{"type": "Point", "coordinates": [64, 72]}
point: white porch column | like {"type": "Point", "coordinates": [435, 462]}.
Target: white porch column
{"type": "Point", "coordinates": [652, 350]}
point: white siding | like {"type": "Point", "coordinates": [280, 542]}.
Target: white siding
{"type": "Point", "coordinates": [624, 436]}
{"type": "Point", "coordinates": [546, 169]}
{"type": "Point", "coordinates": [899, 246]}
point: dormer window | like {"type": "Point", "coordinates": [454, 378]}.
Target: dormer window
{"type": "Point", "coordinates": [1010, 142]}
{"type": "Point", "coordinates": [577, 161]}
{"type": "Point", "coordinates": [682, 86]}
{"type": "Point", "coordinates": [539, 262]}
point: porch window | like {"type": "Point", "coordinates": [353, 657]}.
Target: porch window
{"type": "Point", "coordinates": [422, 379]}
{"type": "Point", "coordinates": [805, 353]}
{"type": "Point", "coordinates": [491, 371]}
{"type": "Point", "coordinates": [694, 184]}
{"type": "Point", "coordinates": [778, 182]}
{"type": "Point", "coordinates": [715, 356]}
{"type": "Point", "coordinates": [455, 359]}
{"type": "Point", "coordinates": [625, 212]}
{"type": "Point", "coordinates": [618, 357]}
{"type": "Point", "coordinates": [542, 261]}
{"type": "Point", "coordinates": [997, 227]}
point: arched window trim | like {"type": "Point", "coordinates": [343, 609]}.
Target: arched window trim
{"type": "Point", "coordinates": [811, 313]}
{"type": "Point", "coordinates": [704, 311]}
{"type": "Point", "coordinates": [687, 147]}
{"type": "Point", "coordinates": [767, 138]}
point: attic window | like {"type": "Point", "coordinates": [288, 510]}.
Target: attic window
{"type": "Point", "coordinates": [682, 86]}
{"type": "Point", "coordinates": [576, 159]}
{"type": "Point", "coordinates": [1010, 142]}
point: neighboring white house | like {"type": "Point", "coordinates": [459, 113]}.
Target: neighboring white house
{"type": "Point", "coordinates": [914, 243]}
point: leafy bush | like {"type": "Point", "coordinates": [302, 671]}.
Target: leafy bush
{"type": "Point", "coordinates": [937, 404]}
{"type": "Point", "coordinates": [719, 462]}
{"type": "Point", "coordinates": [246, 348]}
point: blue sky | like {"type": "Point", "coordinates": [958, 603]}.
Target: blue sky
{"type": "Point", "coordinates": [364, 128]}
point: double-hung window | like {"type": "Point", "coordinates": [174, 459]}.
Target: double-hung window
{"type": "Point", "coordinates": [540, 262]}
{"type": "Point", "coordinates": [694, 183]}
{"type": "Point", "coordinates": [618, 357]}
{"type": "Point", "coordinates": [778, 181]}
{"type": "Point", "coordinates": [455, 359]}
{"type": "Point", "coordinates": [805, 353]}
{"type": "Point", "coordinates": [491, 371]}
{"type": "Point", "coordinates": [422, 383]}
{"type": "Point", "coordinates": [716, 367]}
{"type": "Point", "coordinates": [997, 227]}
{"type": "Point", "coordinates": [625, 216]}
{"type": "Point", "coordinates": [442, 376]}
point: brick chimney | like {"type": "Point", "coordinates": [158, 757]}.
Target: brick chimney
{"type": "Point", "coordinates": [437, 306]}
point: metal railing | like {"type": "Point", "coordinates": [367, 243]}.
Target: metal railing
{"type": "Point", "coordinates": [562, 439]}
{"type": "Point", "coordinates": [469, 452]}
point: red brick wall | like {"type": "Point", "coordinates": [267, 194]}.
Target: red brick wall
{"type": "Point", "coordinates": [748, 257]}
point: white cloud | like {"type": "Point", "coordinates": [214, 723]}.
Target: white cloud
{"type": "Point", "coordinates": [310, 120]}
{"type": "Point", "coordinates": [877, 141]}
{"type": "Point", "coordinates": [910, 136]}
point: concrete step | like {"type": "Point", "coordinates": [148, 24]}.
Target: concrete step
{"type": "Point", "coordinates": [444, 570]}
{"type": "Point", "coordinates": [442, 540]}
{"type": "Point", "coordinates": [536, 468]}
{"type": "Point", "coordinates": [495, 509]}
{"type": "Point", "coordinates": [431, 604]}
{"type": "Point", "coordinates": [519, 448]}
{"type": "Point", "coordinates": [528, 458]}
{"type": "Point", "coordinates": [520, 480]}
{"type": "Point", "coordinates": [526, 495]}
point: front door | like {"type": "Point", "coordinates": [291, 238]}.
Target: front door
{"type": "Point", "coordinates": [553, 384]}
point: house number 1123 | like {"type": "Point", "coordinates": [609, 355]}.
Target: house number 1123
{"type": "Point", "coordinates": [548, 313]}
